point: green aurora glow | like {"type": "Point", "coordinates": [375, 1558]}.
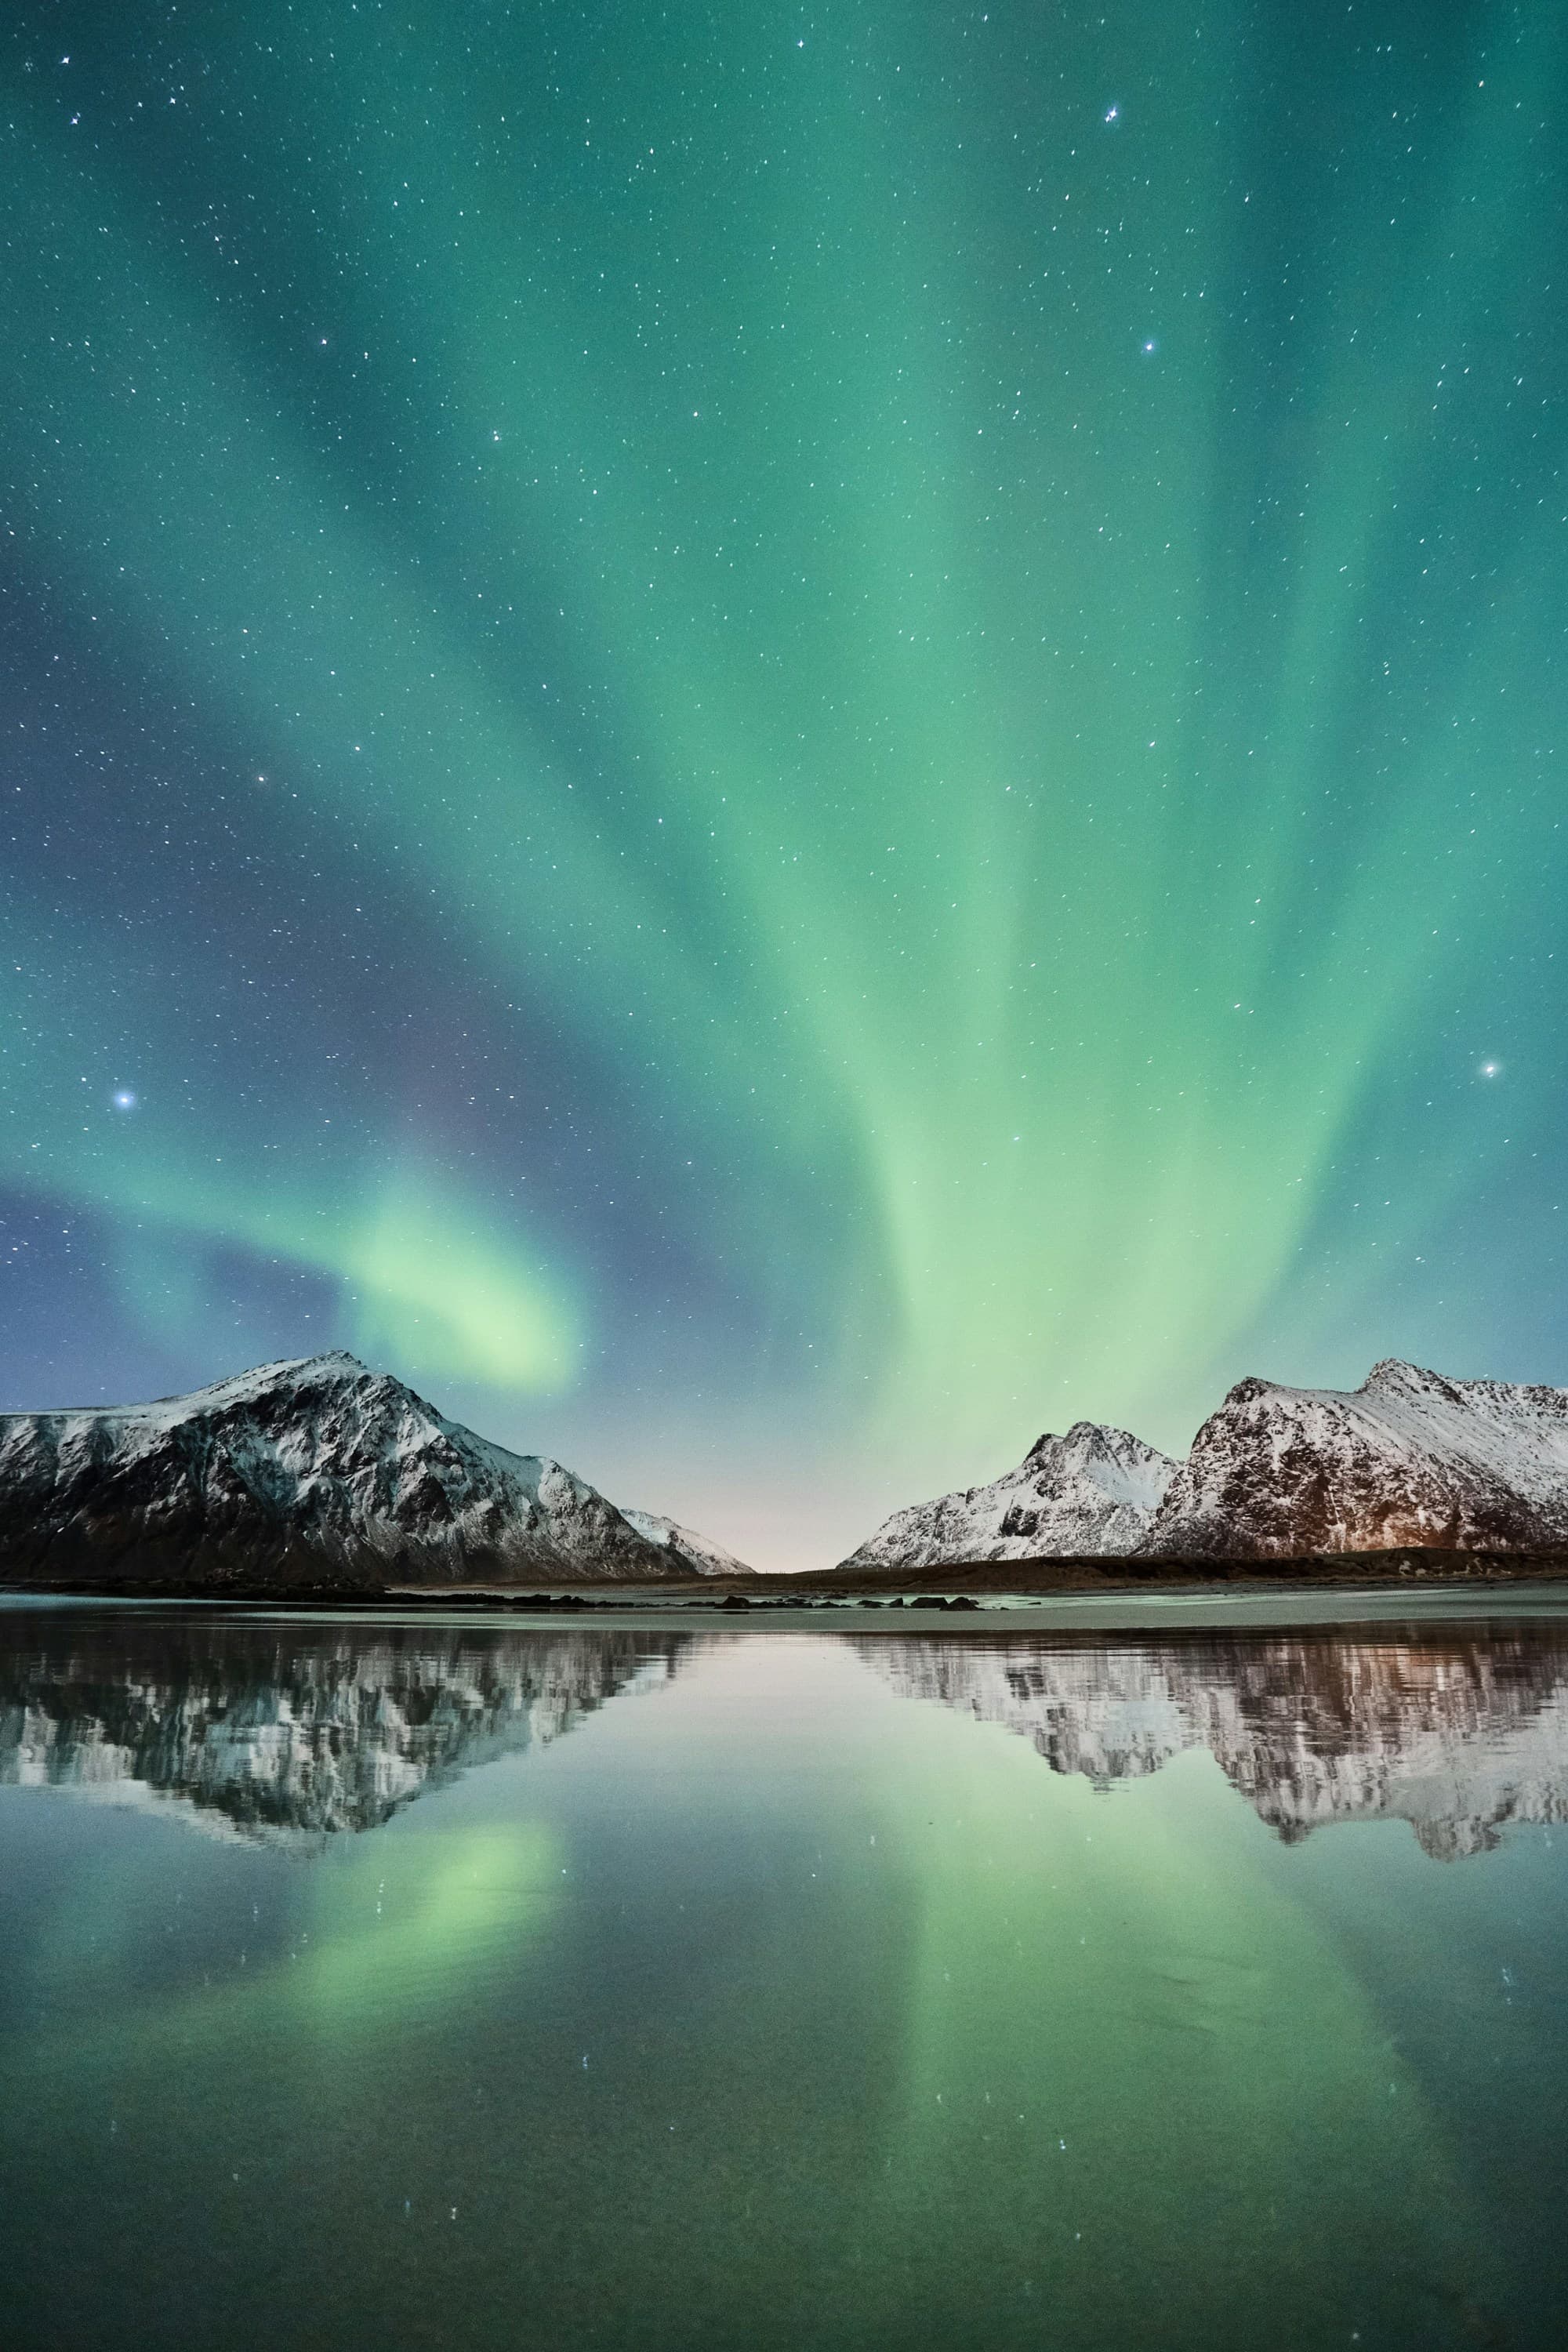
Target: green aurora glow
{"type": "Point", "coordinates": [767, 752]}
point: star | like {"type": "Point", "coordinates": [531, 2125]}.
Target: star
{"type": "Point", "coordinates": [124, 1099]}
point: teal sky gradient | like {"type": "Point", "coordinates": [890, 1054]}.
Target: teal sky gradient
{"type": "Point", "coordinates": [778, 744]}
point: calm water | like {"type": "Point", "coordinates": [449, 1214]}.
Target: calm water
{"type": "Point", "coordinates": [367, 1983]}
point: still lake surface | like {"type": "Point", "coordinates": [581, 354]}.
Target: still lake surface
{"type": "Point", "coordinates": [878, 1980]}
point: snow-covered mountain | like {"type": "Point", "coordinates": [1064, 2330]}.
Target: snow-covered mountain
{"type": "Point", "coordinates": [313, 1471]}
{"type": "Point", "coordinates": [1408, 1458]}
{"type": "Point", "coordinates": [1094, 1491]}
{"type": "Point", "coordinates": [689, 1553]}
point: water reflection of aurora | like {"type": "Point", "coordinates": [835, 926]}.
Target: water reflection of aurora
{"type": "Point", "coordinates": [765, 1999]}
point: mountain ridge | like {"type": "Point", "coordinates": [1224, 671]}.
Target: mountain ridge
{"type": "Point", "coordinates": [1412, 1460]}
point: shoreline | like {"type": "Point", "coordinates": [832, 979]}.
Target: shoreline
{"type": "Point", "coordinates": [958, 1588]}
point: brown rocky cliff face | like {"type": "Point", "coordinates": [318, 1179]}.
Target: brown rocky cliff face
{"type": "Point", "coordinates": [1409, 1459]}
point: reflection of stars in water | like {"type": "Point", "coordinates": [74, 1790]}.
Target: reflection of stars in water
{"type": "Point", "coordinates": [124, 1099]}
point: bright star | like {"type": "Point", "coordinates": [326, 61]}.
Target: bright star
{"type": "Point", "coordinates": [1113, 114]}
{"type": "Point", "coordinates": [124, 1099]}
{"type": "Point", "coordinates": [1149, 346]}
{"type": "Point", "coordinates": [1491, 1069]}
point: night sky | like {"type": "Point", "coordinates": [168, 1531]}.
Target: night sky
{"type": "Point", "coordinates": [777, 743]}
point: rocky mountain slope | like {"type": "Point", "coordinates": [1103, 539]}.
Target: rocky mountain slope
{"type": "Point", "coordinates": [1408, 1458]}
{"type": "Point", "coordinates": [1094, 1491]}
{"type": "Point", "coordinates": [689, 1553]}
{"type": "Point", "coordinates": [309, 1472]}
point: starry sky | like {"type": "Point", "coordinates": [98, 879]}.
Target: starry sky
{"type": "Point", "coordinates": [779, 742]}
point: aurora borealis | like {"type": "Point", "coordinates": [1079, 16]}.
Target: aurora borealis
{"type": "Point", "coordinates": [777, 743]}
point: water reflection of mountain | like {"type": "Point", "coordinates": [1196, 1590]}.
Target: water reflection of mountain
{"type": "Point", "coordinates": [289, 1732]}
{"type": "Point", "coordinates": [1458, 1730]}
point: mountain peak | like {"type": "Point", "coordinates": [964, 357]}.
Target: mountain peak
{"type": "Point", "coordinates": [1393, 1373]}
{"type": "Point", "coordinates": [1092, 1492]}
